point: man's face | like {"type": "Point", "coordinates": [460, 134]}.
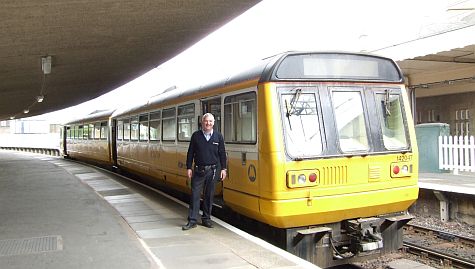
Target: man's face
{"type": "Point", "coordinates": [207, 124]}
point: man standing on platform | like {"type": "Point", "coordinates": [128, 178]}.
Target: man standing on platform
{"type": "Point", "coordinates": [207, 151]}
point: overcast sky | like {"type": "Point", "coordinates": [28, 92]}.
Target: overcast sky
{"type": "Point", "coordinates": [275, 26]}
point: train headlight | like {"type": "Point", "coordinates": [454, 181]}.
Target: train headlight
{"type": "Point", "coordinates": [401, 169]}
{"type": "Point", "coordinates": [303, 178]}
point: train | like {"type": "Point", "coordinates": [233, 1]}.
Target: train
{"type": "Point", "coordinates": [321, 146]}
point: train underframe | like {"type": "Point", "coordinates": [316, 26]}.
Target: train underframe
{"type": "Point", "coordinates": [347, 241]}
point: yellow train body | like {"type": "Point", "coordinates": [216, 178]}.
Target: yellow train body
{"type": "Point", "coordinates": [262, 181]}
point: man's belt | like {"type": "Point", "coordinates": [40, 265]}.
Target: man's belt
{"type": "Point", "coordinates": [205, 167]}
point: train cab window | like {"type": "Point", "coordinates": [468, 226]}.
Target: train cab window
{"type": "Point", "coordinates": [392, 122]}
{"type": "Point", "coordinates": [186, 122]}
{"type": "Point", "coordinates": [120, 130]}
{"type": "Point", "coordinates": [97, 130]}
{"type": "Point", "coordinates": [143, 128]}
{"type": "Point", "coordinates": [350, 121]}
{"type": "Point", "coordinates": [240, 118]}
{"type": "Point", "coordinates": [104, 130]}
{"type": "Point", "coordinates": [169, 124]}
{"type": "Point", "coordinates": [301, 122]}
{"type": "Point", "coordinates": [91, 131]}
{"type": "Point", "coordinates": [80, 132]}
{"type": "Point", "coordinates": [126, 129]}
{"type": "Point", "coordinates": [155, 126]}
{"type": "Point", "coordinates": [134, 128]}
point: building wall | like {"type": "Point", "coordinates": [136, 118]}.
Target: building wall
{"type": "Point", "coordinates": [457, 110]}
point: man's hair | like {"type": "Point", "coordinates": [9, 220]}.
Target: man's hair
{"type": "Point", "coordinates": [207, 115]}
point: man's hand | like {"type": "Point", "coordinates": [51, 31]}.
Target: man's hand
{"type": "Point", "coordinates": [223, 174]}
{"type": "Point", "coordinates": [189, 172]}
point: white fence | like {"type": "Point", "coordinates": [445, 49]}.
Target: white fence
{"type": "Point", "coordinates": [457, 153]}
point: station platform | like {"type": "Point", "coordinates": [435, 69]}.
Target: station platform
{"type": "Point", "coordinates": [58, 213]}
{"type": "Point", "coordinates": [448, 182]}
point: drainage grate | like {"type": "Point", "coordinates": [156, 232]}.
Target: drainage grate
{"type": "Point", "coordinates": [33, 245]}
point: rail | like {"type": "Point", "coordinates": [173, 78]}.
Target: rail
{"type": "Point", "coordinates": [45, 151]}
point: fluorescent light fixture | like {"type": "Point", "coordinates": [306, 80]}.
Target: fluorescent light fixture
{"type": "Point", "coordinates": [26, 111]}
{"type": "Point", "coordinates": [40, 98]}
{"type": "Point", "coordinates": [12, 117]}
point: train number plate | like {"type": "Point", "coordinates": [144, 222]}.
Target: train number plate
{"type": "Point", "coordinates": [404, 158]}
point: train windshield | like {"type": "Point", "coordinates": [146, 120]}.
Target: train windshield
{"type": "Point", "coordinates": [338, 66]}
{"type": "Point", "coordinates": [392, 121]}
{"type": "Point", "coordinates": [302, 128]}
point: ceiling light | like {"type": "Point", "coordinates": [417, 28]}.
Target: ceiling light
{"type": "Point", "coordinates": [46, 64]}
{"type": "Point", "coordinates": [26, 111]}
{"type": "Point", "coordinates": [40, 98]}
{"type": "Point", "coordinates": [12, 117]}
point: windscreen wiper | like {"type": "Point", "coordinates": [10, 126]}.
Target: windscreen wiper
{"type": "Point", "coordinates": [290, 110]}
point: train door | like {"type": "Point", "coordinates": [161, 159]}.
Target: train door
{"type": "Point", "coordinates": [113, 143]}
{"type": "Point", "coordinates": [213, 105]}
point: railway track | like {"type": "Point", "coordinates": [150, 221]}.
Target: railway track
{"type": "Point", "coordinates": [447, 249]}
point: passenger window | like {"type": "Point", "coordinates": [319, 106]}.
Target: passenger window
{"type": "Point", "coordinates": [91, 131]}
{"type": "Point", "coordinates": [80, 132]}
{"type": "Point", "coordinates": [104, 130]}
{"type": "Point", "coordinates": [169, 124]}
{"type": "Point", "coordinates": [86, 132]}
{"type": "Point", "coordinates": [134, 128]}
{"type": "Point", "coordinates": [127, 129]}
{"type": "Point", "coordinates": [240, 118]}
{"type": "Point", "coordinates": [186, 122]}
{"type": "Point", "coordinates": [155, 126]}
{"type": "Point", "coordinates": [120, 129]}
{"type": "Point", "coordinates": [97, 130]}
{"type": "Point", "coordinates": [143, 129]}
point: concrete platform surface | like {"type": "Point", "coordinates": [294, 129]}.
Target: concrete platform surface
{"type": "Point", "coordinates": [90, 218]}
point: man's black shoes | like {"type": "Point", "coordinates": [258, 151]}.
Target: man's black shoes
{"type": "Point", "coordinates": [207, 223]}
{"type": "Point", "coordinates": [188, 226]}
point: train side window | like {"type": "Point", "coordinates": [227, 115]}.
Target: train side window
{"type": "Point", "coordinates": [86, 131]}
{"type": "Point", "coordinates": [127, 129]}
{"type": "Point", "coordinates": [68, 132]}
{"type": "Point", "coordinates": [97, 130]}
{"type": "Point", "coordinates": [120, 130]}
{"type": "Point", "coordinates": [75, 132]}
{"type": "Point", "coordinates": [240, 118]}
{"type": "Point", "coordinates": [143, 128]}
{"type": "Point", "coordinates": [134, 128]}
{"type": "Point", "coordinates": [186, 122]}
{"type": "Point", "coordinates": [169, 124]}
{"type": "Point", "coordinates": [80, 132]}
{"type": "Point", "coordinates": [155, 126]}
{"type": "Point", "coordinates": [91, 131]}
{"type": "Point", "coordinates": [350, 121]}
{"type": "Point", "coordinates": [104, 130]}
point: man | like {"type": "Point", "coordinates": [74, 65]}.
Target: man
{"type": "Point", "coordinates": [207, 150]}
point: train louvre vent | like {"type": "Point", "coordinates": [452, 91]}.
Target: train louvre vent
{"type": "Point", "coordinates": [334, 175]}
{"type": "Point", "coordinates": [374, 173]}
{"type": "Point", "coordinates": [33, 245]}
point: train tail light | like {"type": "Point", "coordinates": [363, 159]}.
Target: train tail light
{"type": "Point", "coordinates": [401, 169]}
{"type": "Point", "coordinates": [302, 178]}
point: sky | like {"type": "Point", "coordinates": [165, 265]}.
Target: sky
{"type": "Point", "coordinates": [275, 26]}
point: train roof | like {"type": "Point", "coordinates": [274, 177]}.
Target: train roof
{"type": "Point", "coordinates": [263, 71]}
{"type": "Point", "coordinates": [98, 115]}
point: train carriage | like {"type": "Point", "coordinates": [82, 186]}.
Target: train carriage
{"type": "Point", "coordinates": [89, 138]}
{"type": "Point", "coordinates": [320, 145]}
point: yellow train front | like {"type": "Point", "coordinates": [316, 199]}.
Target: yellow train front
{"type": "Point", "coordinates": [320, 146]}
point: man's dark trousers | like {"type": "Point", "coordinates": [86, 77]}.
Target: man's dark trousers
{"type": "Point", "coordinates": [197, 183]}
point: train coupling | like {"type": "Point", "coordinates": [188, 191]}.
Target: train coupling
{"type": "Point", "coordinates": [365, 234]}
